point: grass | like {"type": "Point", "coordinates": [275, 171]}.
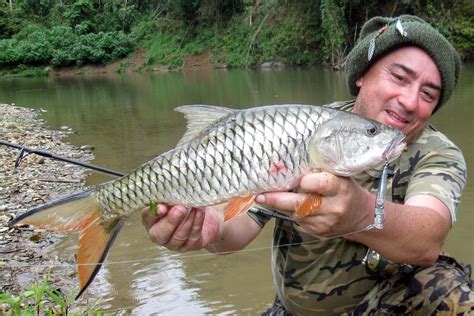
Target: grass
{"type": "Point", "coordinates": [41, 298]}
{"type": "Point", "coordinates": [238, 44]}
{"type": "Point", "coordinates": [25, 71]}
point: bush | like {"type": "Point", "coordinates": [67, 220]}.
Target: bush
{"type": "Point", "coordinates": [164, 49]}
{"type": "Point", "coordinates": [8, 52]}
{"type": "Point", "coordinates": [290, 41]}
{"type": "Point", "coordinates": [61, 46]}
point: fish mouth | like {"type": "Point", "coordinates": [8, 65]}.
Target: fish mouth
{"type": "Point", "coordinates": [395, 149]}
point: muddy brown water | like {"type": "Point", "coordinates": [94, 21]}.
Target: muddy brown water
{"type": "Point", "coordinates": [131, 119]}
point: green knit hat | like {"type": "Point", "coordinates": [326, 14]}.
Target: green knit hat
{"type": "Point", "coordinates": [381, 35]}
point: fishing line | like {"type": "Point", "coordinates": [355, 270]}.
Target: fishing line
{"type": "Point", "coordinates": [190, 256]}
{"type": "Point", "coordinates": [24, 151]}
{"type": "Point", "coordinates": [181, 256]}
{"type": "Point", "coordinates": [255, 210]}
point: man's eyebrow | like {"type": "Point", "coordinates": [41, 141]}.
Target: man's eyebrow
{"type": "Point", "coordinates": [410, 71]}
{"type": "Point", "coordinates": [413, 73]}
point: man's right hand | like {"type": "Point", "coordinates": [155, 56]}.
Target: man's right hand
{"type": "Point", "coordinates": [179, 229]}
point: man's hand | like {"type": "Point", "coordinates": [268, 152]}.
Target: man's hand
{"type": "Point", "coordinates": [180, 229]}
{"type": "Point", "coordinates": [346, 207]}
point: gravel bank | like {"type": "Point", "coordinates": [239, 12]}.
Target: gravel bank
{"type": "Point", "coordinates": [37, 180]}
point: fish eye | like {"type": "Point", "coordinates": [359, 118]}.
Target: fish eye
{"type": "Point", "coordinates": [372, 129]}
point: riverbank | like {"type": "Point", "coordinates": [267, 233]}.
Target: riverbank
{"type": "Point", "coordinates": [135, 63]}
{"type": "Point", "coordinates": [24, 251]}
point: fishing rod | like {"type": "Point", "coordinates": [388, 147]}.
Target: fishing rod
{"type": "Point", "coordinates": [27, 150]}
{"type": "Point", "coordinates": [24, 151]}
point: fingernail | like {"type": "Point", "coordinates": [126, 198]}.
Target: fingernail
{"type": "Point", "coordinates": [161, 210]}
{"type": "Point", "coordinates": [260, 198]}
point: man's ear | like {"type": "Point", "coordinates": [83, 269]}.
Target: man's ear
{"type": "Point", "coordinates": [359, 82]}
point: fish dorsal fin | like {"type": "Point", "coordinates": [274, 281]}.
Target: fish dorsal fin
{"type": "Point", "coordinates": [200, 117]}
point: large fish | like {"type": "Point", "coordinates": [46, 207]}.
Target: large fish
{"type": "Point", "coordinates": [225, 155]}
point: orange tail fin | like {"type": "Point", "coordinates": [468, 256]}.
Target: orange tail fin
{"type": "Point", "coordinates": [78, 212]}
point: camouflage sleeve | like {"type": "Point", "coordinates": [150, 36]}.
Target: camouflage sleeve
{"type": "Point", "coordinates": [441, 171]}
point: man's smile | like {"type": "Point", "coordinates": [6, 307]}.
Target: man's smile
{"type": "Point", "coordinates": [395, 119]}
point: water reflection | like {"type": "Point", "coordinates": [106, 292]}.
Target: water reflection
{"type": "Point", "coordinates": [131, 119]}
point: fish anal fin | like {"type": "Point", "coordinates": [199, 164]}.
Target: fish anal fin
{"type": "Point", "coordinates": [94, 243]}
{"type": "Point", "coordinates": [237, 206]}
{"type": "Point", "coordinates": [309, 206]}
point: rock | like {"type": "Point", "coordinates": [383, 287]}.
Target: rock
{"type": "Point", "coordinates": [87, 147]}
{"type": "Point", "coordinates": [39, 160]}
{"type": "Point", "coordinates": [24, 279]}
{"type": "Point", "coordinates": [221, 66]}
{"type": "Point", "coordinates": [272, 65]}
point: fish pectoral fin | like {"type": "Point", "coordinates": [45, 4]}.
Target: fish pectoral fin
{"type": "Point", "coordinates": [94, 244]}
{"type": "Point", "coordinates": [238, 206]}
{"type": "Point", "coordinates": [309, 206]}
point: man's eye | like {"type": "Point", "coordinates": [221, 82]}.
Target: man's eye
{"type": "Point", "coordinates": [428, 96]}
{"type": "Point", "coordinates": [399, 77]}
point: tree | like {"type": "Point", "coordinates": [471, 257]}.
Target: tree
{"type": "Point", "coordinates": [334, 31]}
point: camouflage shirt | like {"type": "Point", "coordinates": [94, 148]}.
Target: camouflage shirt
{"type": "Point", "coordinates": [325, 276]}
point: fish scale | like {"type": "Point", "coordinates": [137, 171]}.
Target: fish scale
{"type": "Point", "coordinates": [225, 155]}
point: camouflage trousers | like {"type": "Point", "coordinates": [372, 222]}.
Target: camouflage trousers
{"type": "Point", "coordinates": [444, 288]}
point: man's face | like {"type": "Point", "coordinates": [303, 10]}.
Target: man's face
{"type": "Point", "coordinates": [400, 90]}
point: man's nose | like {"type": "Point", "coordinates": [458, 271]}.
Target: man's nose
{"type": "Point", "coordinates": [408, 97]}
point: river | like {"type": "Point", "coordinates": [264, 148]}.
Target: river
{"type": "Point", "coordinates": [130, 119]}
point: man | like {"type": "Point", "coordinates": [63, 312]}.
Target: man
{"type": "Point", "coordinates": [401, 71]}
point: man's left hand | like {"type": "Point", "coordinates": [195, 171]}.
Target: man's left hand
{"type": "Point", "coordinates": [346, 207]}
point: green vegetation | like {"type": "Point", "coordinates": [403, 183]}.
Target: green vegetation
{"type": "Point", "coordinates": [61, 46]}
{"type": "Point", "coordinates": [237, 33]}
{"type": "Point", "coordinates": [41, 299]}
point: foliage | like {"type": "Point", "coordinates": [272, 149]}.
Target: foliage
{"type": "Point", "coordinates": [35, 8]}
{"type": "Point", "coordinates": [462, 29]}
{"type": "Point", "coordinates": [10, 22]}
{"type": "Point", "coordinates": [40, 299]}
{"type": "Point", "coordinates": [204, 11]}
{"type": "Point", "coordinates": [185, 10]}
{"type": "Point", "coordinates": [62, 46]}
{"type": "Point", "coordinates": [80, 11]}
{"type": "Point", "coordinates": [237, 32]}
{"type": "Point", "coordinates": [25, 71]}
{"type": "Point", "coordinates": [219, 11]}
{"type": "Point", "coordinates": [334, 31]}
{"type": "Point", "coordinates": [164, 49]}
{"type": "Point", "coordinates": [457, 23]}
{"type": "Point", "coordinates": [289, 41]}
